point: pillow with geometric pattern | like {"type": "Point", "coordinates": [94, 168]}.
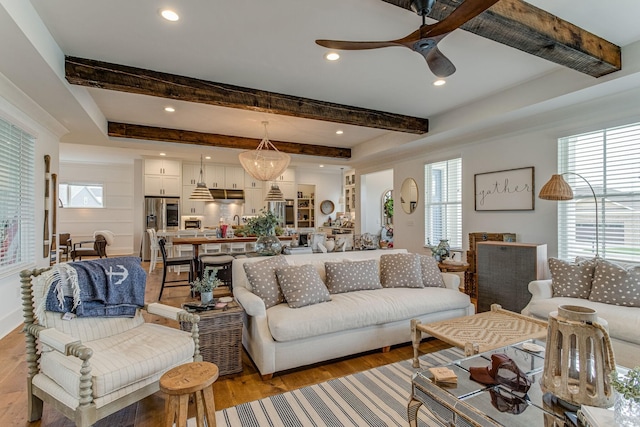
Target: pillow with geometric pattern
{"type": "Point", "coordinates": [400, 271]}
{"type": "Point", "coordinates": [262, 278]}
{"type": "Point", "coordinates": [572, 279]}
{"type": "Point", "coordinates": [616, 284]}
{"type": "Point", "coordinates": [431, 275]}
{"type": "Point", "coordinates": [302, 285]}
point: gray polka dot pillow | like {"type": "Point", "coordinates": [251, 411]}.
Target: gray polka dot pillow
{"type": "Point", "coordinates": [262, 278]}
{"type": "Point", "coordinates": [302, 285]}
{"type": "Point", "coordinates": [352, 276]}
{"type": "Point", "coordinates": [615, 284]}
{"type": "Point", "coordinates": [400, 271]}
{"type": "Point", "coordinates": [431, 276]}
{"type": "Point", "coordinates": [571, 279]}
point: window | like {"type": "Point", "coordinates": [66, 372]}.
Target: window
{"type": "Point", "coordinates": [443, 203]}
{"type": "Point", "coordinates": [17, 235]}
{"type": "Point", "coordinates": [608, 159]}
{"type": "Point", "coordinates": [81, 195]}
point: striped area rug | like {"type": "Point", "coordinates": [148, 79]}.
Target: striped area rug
{"type": "Point", "coordinates": [377, 397]}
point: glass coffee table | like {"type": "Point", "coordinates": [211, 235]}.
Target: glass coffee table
{"type": "Point", "coordinates": [469, 403]}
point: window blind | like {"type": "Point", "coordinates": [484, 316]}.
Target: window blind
{"type": "Point", "coordinates": [17, 244]}
{"type": "Point", "coordinates": [608, 159]}
{"type": "Point", "coordinates": [443, 202]}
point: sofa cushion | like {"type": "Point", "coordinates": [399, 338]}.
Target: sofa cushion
{"type": "Point", "coordinates": [262, 278]}
{"type": "Point", "coordinates": [572, 279]}
{"type": "Point", "coordinates": [121, 360]}
{"type": "Point", "coordinates": [302, 286]}
{"type": "Point", "coordinates": [616, 284]}
{"type": "Point", "coordinates": [352, 276]}
{"type": "Point", "coordinates": [431, 275]}
{"type": "Point", "coordinates": [352, 310]}
{"type": "Point", "coordinates": [400, 271]}
{"type": "Point", "coordinates": [624, 322]}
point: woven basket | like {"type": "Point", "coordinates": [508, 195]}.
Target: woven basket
{"type": "Point", "coordinates": [221, 338]}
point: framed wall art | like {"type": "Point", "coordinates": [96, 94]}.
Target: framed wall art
{"type": "Point", "coordinates": [506, 190]}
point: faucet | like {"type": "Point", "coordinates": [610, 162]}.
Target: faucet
{"type": "Point", "coordinates": [237, 219]}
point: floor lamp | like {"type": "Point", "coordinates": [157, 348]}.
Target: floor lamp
{"type": "Point", "coordinates": [558, 189]}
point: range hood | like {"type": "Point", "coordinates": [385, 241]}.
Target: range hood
{"type": "Point", "coordinates": [227, 196]}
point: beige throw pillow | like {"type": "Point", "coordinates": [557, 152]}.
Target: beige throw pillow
{"type": "Point", "coordinates": [431, 276]}
{"type": "Point", "coordinates": [615, 284]}
{"type": "Point", "coordinates": [302, 285]}
{"type": "Point", "coordinates": [572, 279]}
{"type": "Point", "coordinates": [352, 276]}
{"type": "Point", "coordinates": [400, 271]}
{"type": "Point", "coordinates": [262, 278]}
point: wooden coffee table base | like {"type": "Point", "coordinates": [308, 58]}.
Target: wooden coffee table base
{"type": "Point", "coordinates": [480, 332]}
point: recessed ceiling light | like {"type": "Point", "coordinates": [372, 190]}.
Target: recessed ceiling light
{"type": "Point", "coordinates": [169, 15]}
{"type": "Point", "coordinates": [163, 154]}
{"type": "Point", "coordinates": [169, 109]}
{"type": "Point", "coordinates": [321, 166]}
{"type": "Point", "coordinates": [332, 56]}
{"type": "Point", "coordinates": [339, 132]}
{"type": "Point", "coordinates": [207, 157]}
{"type": "Point", "coordinates": [439, 82]}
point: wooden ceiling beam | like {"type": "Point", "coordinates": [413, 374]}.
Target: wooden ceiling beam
{"type": "Point", "coordinates": [525, 27]}
{"type": "Point", "coordinates": [151, 133]}
{"type": "Point", "coordinates": [104, 75]}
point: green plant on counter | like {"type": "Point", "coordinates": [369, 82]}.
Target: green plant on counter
{"type": "Point", "coordinates": [388, 207]}
{"type": "Point", "coordinates": [208, 282]}
{"type": "Point", "coordinates": [262, 225]}
{"type": "Point", "coordinates": [629, 385]}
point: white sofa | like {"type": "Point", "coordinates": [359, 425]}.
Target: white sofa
{"type": "Point", "coordinates": [281, 338]}
{"type": "Point", "coordinates": [624, 322]}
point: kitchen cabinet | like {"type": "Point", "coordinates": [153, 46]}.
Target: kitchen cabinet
{"type": "Point", "coordinates": [287, 175]}
{"type": "Point", "coordinates": [215, 176]}
{"type": "Point", "coordinates": [251, 182]}
{"type": "Point", "coordinates": [191, 207]}
{"type": "Point", "coordinates": [305, 206]}
{"type": "Point", "coordinates": [162, 167]}
{"type": "Point", "coordinates": [165, 186]}
{"type": "Point", "coordinates": [253, 201]}
{"type": "Point", "coordinates": [233, 178]}
{"type": "Point", "coordinates": [288, 189]}
{"type": "Point", "coordinates": [191, 174]}
{"type": "Point", "coordinates": [350, 192]}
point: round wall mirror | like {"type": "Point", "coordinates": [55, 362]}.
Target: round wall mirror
{"type": "Point", "coordinates": [409, 195]}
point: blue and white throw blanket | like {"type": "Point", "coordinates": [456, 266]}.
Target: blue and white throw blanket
{"type": "Point", "coordinates": [106, 287]}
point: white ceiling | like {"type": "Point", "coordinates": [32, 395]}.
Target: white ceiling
{"type": "Point", "coordinates": [269, 45]}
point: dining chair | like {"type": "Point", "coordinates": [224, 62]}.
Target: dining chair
{"type": "Point", "coordinates": [171, 262]}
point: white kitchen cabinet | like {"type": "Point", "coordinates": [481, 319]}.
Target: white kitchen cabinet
{"type": "Point", "coordinates": [191, 207]}
{"type": "Point", "coordinates": [288, 189]}
{"type": "Point", "coordinates": [162, 167]}
{"type": "Point", "coordinates": [233, 178]}
{"type": "Point", "coordinates": [253, 201]}
{"type": "Point", "coordinates": [251, 182]}
{"type": "Point", "coordinates": [165, 186]}
{"type": "Point", "coordinates": [191, 173]}
{"type": "Point", "coordinates": [215, 176]}
{"type": "Point", "coordinates": [287, 175]}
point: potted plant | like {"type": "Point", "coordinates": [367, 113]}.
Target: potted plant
{"type": "Point", "coordinates": [264, 226]}
{"type": "Point", "coordinates": [206, 284]}
{"type": "Point", "coordinates": [627, 405]}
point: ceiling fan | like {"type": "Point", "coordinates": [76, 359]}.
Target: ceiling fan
{"type": "Point", "coordinates": [424, 40]}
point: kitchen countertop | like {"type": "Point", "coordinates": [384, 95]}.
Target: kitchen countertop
{"type": "Point", "coordinates": [201, 240]}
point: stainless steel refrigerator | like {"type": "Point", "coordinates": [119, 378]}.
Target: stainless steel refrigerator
{"type": "Point", "coordinates": [161, 214]}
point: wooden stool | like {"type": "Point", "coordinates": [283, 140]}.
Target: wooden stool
{"type": "Point", "coordinates": [183, 380]}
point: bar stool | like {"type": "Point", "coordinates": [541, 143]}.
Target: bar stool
{"type": "Point", "coordinates": [179, 383]}
{"type": "Point", "coordinates": [222, 263]}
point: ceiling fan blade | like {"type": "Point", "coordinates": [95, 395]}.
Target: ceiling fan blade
{"type": "Point", "coordinates": [439, 64]}
{"type": "Point", "coordinates": [463, 13]}
{"type": "Point", "coordinates": [350, 45]}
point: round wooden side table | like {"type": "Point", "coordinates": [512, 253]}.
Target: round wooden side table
{"type": "Point", "coordinates": [460, 268]}
{"type": "Point", "coordinates": [195, 378]}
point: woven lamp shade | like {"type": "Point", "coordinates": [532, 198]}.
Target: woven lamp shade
{"type": "Point", "coordinates": [274, 194]}
{"type": "Point", "coordinates": [556, 189]}
{"type": "Point", "coordinates": [201, 193]}
{"type": "Point", "coordinates": [265, 163]}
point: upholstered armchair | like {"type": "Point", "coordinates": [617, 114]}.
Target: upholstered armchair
{"type": "Point", "coordinates": [91, 367]}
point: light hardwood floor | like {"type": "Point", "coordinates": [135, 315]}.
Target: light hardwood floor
{"type": "Point", "coordinates": [229, 390]}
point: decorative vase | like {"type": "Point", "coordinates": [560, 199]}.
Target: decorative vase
{"type": "Point", "coordinates": [442, 250]}
{"type": "Point", "coordinates": [626, 412]}
{"type": "Point", "coordinates": [206, 297]}
{"type": "Point", "coordinates": [268, 245]}
{"type": "Point", "coordinates": [330, 245]}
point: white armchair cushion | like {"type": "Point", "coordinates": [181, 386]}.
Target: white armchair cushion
{"type": "Point", "coordinates": [122, 360]}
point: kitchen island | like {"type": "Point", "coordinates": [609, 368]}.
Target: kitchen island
{"type": "Point", "coordinates": [197, 241]}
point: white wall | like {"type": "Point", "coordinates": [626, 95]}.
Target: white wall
{"type": "Point", "coordinates": [118, 214]}
{"type": "Point", "coordinates": [327, 184]}
{"type": "Point", "coordinates": [372, 187]}
{"type": "Point", "coordinates": [22, 112]}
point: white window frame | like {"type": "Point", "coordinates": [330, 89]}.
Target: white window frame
{"type": "Point", "coordinates": [17, 198]}
{"type": "Point", "coordinates": [447, 199]}
{"type": "Point", "coordinates": [64, 189]}
{"type": "Point", "coordinates": [607, 159]}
